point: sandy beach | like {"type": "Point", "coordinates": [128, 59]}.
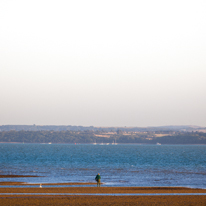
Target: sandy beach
{"type": "Point", "coordinates": [95, 199]}
{"type": "Point", "coordinates": [16, 176]}
{"type": "Point", "coordinates": [104, 200]}
{"type": "Point", "coordinates": [102, 190]}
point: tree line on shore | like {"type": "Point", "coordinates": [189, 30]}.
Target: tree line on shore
{"type": "Point", "coordinates": [97, 137]}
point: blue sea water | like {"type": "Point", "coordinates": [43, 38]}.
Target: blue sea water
{"type": "Point", "coordinates": [118, 165]}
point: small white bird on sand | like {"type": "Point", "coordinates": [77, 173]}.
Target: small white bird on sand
{"type": "Point", "coordinates": [40, 186]}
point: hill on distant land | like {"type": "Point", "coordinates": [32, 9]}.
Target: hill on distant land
{"type": "Point", "coordinates": [102, 136]}
{"type": "Point", "coordinates": [91, 128]}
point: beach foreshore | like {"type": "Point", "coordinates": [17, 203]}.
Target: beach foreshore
{"type": "Point", "coordinates": [30, 184]}
{"type": "Point", "coordinates": [103, 200]}
{"type": "Point", "coordinates": [101, 196]}
{"type": "Point", "coordinates": [16, 176]}
{"type": "Point", "coordinates": [100, 190]}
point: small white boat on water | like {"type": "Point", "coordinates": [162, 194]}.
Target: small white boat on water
{"type": "Point", "coordinates": [158, 143]}
{"type": "Point", "coordinates": [114, 142]}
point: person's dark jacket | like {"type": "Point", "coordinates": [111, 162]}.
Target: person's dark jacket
{"type": "Point", "coordinates": [98, 177]}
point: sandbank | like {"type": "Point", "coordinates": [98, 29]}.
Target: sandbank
{"type": "Point", "coordinates": [25, 183]}
{"type": "Point", "coordinates": [16, 176]}
{"type": "Point", "coordinates": [103, 190]}
{"type": "Point", "coordinates": [97, 199]}
{"type": "Point", "coordinates": [103, 200]}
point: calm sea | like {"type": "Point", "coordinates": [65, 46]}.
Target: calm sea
{"type": "Point", "coordinates": [118, 165]}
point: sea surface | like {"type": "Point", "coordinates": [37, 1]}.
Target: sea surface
{"type": "Point", "coordinates": [118, 165]}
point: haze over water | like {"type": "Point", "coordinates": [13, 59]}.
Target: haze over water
{"type": "Point", "coordinates": [119, 165]}
{"type": "Point", "coordinates": [103, 63]}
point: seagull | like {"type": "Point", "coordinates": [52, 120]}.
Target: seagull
{"type": "Point", "coordinates": [40, 186]}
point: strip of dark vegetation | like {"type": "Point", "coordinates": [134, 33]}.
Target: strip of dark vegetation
{"type": "Point", "coordinates": [163, 137]}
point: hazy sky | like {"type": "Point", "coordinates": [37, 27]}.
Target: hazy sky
{"type": "Point", "coordinates": [103, 63]}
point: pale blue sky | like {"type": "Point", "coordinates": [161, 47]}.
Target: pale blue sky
{"type": "Point", "coordinates": [103, 63]}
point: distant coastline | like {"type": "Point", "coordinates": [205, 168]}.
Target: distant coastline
{"type": "Point", "coordinates": [96, 144]}
{"type": "Point", "coordinates": [103, 138]}
{"type": "Point", "coordinates": [50, 134]}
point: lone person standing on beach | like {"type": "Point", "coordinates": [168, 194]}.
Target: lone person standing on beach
{"type": "Point", "coordinates": [97, 178]}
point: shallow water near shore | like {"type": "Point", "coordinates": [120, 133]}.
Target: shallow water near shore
{"type": "Point", "coordinates": [118, 165]}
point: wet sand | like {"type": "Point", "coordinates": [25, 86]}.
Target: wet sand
{"type": "Point", "coordinates": [99, 200]}
{"type": "Point", "coordinates": [16, 176]}
{"type": "Point", "coordinates": [102, 200]}
{"type": "Point", "coordinates": [25, 183]}
{"type": "Point", "coordinates": [103, 190]}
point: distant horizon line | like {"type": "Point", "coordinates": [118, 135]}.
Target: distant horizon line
{"type": "Point", "coordinates": [194, 126]}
